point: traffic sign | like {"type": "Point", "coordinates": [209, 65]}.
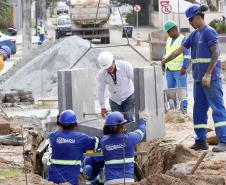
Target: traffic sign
{"type": "Point", "coordinates": [137, 8]}
{"type": "Point", "coordinates": [166, 8]}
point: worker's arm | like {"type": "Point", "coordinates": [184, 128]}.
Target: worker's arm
{"type": "Point", "coordinates": [101, 92]}
{"type": "Point", "coordinates": [173, 55]}
{"type": "Point", "coordinates": [207, 77]}
{"type": "Point", "coordinates": [90, 143]}
{"type": "Point", "coordinates": [211, 38]}
{"type": "Point", "coordinates": [137, 136]}
{"type": "Point", "coordinates": [186, 62]}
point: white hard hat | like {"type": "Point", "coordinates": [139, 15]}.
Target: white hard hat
{"type": "Point", "coordinates": [105, 59]}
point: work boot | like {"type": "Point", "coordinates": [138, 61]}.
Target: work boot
{"type": "Point", "coordinates": [199, 145]}
{"type": "Point", "coordinates": [221, 147]}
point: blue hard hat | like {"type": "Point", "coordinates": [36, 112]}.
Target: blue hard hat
{"type": "Point", "coordinates": [67, 118]}
{"type": "Point", "coordinates": [193, 10]}
{"type": "Point", "coordinates": [115, 118]}
{"type": "Point", "coordinates": [7, 50]}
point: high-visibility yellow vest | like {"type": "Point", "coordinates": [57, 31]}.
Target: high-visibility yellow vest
{"type": "Point", "coordinates": [41, 30]}
{"type": "Point", "coordinates": [1, 63]}
{"type": "Point", "coordinates": [176, 63]}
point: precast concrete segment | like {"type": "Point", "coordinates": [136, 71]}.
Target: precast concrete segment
{"type": "Point", "coordinates": [148, 83]}
{"type": "Point", "coordinates": [64, 90]}
{"type": "Point", "coordinates": [83, 91]}
{"type": "Point", "coordinates": [76, 90]}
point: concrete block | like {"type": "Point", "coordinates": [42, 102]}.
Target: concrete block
{"type": "Point", "coordinates": [76, 91]}
{"type": "Point", "coordinates": [148, 83]}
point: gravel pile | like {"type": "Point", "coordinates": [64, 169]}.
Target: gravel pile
{"type": "Point", "coordinates": [38, 71]}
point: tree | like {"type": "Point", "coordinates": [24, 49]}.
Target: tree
{"type": "Point", "coordinates": [143, 14]}
{"type": "Point", "coordinates": [6, 12]}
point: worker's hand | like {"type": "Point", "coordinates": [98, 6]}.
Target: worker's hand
{"type": "Point", "coordinates": [104, 112]}
{"type": "Point", "coordinates": [163, 65]}
{"type": "Point", "coordinates": [183, 71]}
{"type": "Point", "coordinates": [206, 80]}
{"type": "Point", "coordinates": [144, 115]}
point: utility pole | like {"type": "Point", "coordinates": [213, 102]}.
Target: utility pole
{"type": "Point", "coordinates": [26, 28]}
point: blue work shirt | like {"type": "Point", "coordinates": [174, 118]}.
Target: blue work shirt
{"type": "Point", "coordinates": [118, 151]}
{"type": "Point", "coordinates": [68, 146]}
{"type": "Point", "coordinates": [200, 42]}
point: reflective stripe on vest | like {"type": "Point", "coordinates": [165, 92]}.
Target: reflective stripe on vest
{"type": "Point", "coordinates": [65, 162]}
{"type": "Point", "coordinates": [177, 63]}
{"type": "Point", "coordinates": [201, 60]}
{"type": "Point", "coordinates": [200, 126]}
{"type": "Point", "coordinates": [120, 161]}
{"type": "Point", "coordinates": [220, 124]}
{"type": "Point", "coordinates": [41, 30]}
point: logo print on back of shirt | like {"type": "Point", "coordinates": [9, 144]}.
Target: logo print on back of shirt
{"type": "Point", "coordinates": [114, 147]}
{"type": "Point", "coordinates": [61, 140]}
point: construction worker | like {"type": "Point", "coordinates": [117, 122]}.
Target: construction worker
{"type": "Point", "coordinates": [5, 53]}
{"type": "Point", "coordinates": [41, 32]}
{"type": "Point", "coordinates": [67, 148]}
{"type": "Point", "coordinates": [118, 148]}
{"type": "Point", "coordinates": [93, 169]}
{"type": "Point", "coordinates": [118, 76]}
{"type": "Point", "coordinates": [176, 69]}
{"type": "Point", "coordinates": [207, 80]}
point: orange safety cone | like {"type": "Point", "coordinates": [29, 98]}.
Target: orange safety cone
{"type": "Point", "coordinates": [138, 39]}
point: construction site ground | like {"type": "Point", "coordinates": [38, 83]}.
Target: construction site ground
{"type": "Point", "coordinates": [168, 161]}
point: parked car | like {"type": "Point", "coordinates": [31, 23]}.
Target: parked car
{"type": "Point", "coordinates": [9, 41]}
{"type": "Point", "coordinates": [63, 26]}
{"type": "Point", "coordinates": [62, 8]}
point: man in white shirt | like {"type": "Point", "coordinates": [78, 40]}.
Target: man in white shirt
{"type": "Point", "coordinates": [118, 76]}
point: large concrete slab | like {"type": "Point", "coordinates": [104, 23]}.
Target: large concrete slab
{"type": "Point", "coordinates": [148, 82]}
{"type": "Point", "coordinates": [76, 90]}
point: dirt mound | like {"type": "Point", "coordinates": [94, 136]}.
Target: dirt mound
{"type": "Point", "coordinates": [163, 179]}
{"type": "Point", "coordinates": [39, 73]}
{"type": "Point", "coordinates": [162, 157]}
{"type": "Point", "coordinates": [173, 116]}
{"type": "Point", "coordinates": [31, 179]}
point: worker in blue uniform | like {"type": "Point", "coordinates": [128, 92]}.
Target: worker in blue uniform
{"type": "Point", "coordinates": [118, 147]}
{"type": "Point", "coordinates": [206, 68]}
{"type": "Point", "coordinates": [67, 148]}
{"type": "Point", "coordinates": [93, 169]}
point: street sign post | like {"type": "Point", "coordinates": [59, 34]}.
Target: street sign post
{"type": "Point", "coordinates": [137, 8]}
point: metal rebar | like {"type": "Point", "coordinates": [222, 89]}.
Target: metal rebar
{"type": "Point", "coordinates": [25, 170]}
{"type": "Point", "coordinates": [198, 162]}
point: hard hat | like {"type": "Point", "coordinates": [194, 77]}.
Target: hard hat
{"type": "Point", "coordinates": [115, 118]}
{"type": "Point", "coordinates": [105, 59]}
{"type": "Point", "coordinates": [67, 118]}
{"type": "Point", "coordinates": [7, 50]}
{"type": "Point", "coordinates": [169, 25]}
{"type": "Point", "coordinates": [195, 9]}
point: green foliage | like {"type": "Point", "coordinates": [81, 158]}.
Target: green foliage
{"type": "Point", "coordinates": [218, 25]}
{"type": "Point", "coordinates": [143, 14]}
{"type": "Point", "coordinates": [6, 13]}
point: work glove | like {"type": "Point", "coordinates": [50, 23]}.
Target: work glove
{"type": "Point", "coordinates": [206, 80]}
{"type": "Point", "coordinates": [104, 112]}
{"type": "Point", "coordinates": [183, 71]}
{"type": "Point", "coordinates": [144, 114]}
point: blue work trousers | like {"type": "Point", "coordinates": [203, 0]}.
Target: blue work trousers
{"type": "Point", "coordinates": [41, 38]}
{"type": "Point", "coordinates": [175, 79]}
{"type": "Point", "coordinates": [204, 98]}
{"type": "Point", "coordinates": [127, 107]}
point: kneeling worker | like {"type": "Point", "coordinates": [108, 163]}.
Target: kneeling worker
{"type": "Point", "coordinates": [67, 148]}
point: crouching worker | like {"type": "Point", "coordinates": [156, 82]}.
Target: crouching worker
{"type": "Point", "coordinates": [119, 147]}
{"type": "Point", "coordinates": [67, 148]}
{"type": "Point", "coordinates": [93, 169]}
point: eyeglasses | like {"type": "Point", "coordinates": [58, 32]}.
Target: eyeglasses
{"type": "Point", "coordinates": [191, 19]}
